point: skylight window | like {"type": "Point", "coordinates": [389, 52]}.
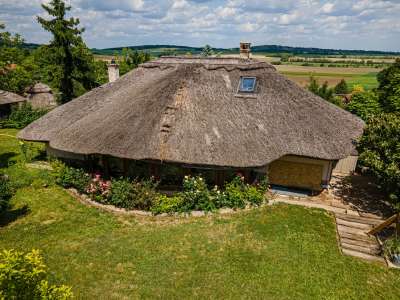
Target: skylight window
{"type": "Point", "coordinates": [247, 84]}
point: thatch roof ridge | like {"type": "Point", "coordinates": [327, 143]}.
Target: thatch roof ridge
{"type": "Point", "coordinates": [8, 97]}
{"type": "Point", "coordinates": [38, 88]}
{"type": "Point", "coordinates": [210, 63]}
{"type": "Point", "coordinates": [184, 112]}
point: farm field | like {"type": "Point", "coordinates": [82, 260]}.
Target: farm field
{"type": "Point", "coordinates": [353, 76]}
{"type": "Point", "coordinates": [275, 252]}
{"type": "Point", "coordinates": [365, 76]}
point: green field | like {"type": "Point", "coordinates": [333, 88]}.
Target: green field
{"type": "Point", "coordinates": [367, 80]}
{"type": "Point", "coordinates": [276, 252]}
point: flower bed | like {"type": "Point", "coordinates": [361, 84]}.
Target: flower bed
{"type": "Point", "coordinates": [143, 195]}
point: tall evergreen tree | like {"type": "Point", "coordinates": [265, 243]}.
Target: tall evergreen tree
{"type": "Point", "coordinates": [67, 51]}
{"type": "Point", "coordinates": [207, 51]}
{"type": "Point", "coordinates": [341, 87]}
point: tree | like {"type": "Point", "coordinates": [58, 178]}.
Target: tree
{"type": "Point", "coordinates": [389, 87]}
{"type": "Point", "coordinates": [207, 51]}
{"type": "Point", "coordinates": [323, 91]}
{"type": "Point", "coordinates": [364, 105]}
{"type": "Point", "coordinates": [379, 150]}
{"type": "Point", "coordinates": [67, 55]}
{"type": "Point", "coordinates": [131, 59]}
{"type": "Point", "coordinates": [14, 76]}
{"type": "Point", "coordinates": [341, 87]}
{"type": "Point", "coordinates": [11, 51]}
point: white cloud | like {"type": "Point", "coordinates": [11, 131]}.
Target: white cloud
{"type": "Point", "coordinates": [327, 8]}
{"type": "Point", "coordinates": [365, 24]}
{"type": "Point", "coordinates": [225, 12]}
{"type": "Point", "coordinates": [287, 19]}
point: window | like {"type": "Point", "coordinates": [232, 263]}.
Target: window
{"type": "Point", "coordinates": [247, 84]}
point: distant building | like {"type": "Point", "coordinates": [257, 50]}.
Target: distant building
{"type": "Point", "coordinates": [40, 96]}
{"type": "Point", "coordinates": [9, 100]}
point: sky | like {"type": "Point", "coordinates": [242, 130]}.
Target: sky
{"type": "Point", "coordinates": [338, 24]}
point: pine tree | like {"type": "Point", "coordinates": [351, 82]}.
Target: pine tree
{"type": "Point", "coordinates": [341, 87]}
{"type": "Point", "coordinates": [207, 51]}
{"type": "Point", "coordinates": [68, 51]}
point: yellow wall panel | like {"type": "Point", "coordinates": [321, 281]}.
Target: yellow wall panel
{"type": "Point", "coordinates": [295, 174]}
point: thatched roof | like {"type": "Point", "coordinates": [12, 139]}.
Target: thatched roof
{"type": "Point", "coordinates": [8, 98]}
{"type": "Point", "coordinates": [38, 88]}
{"type": "Point", "coordinates": [188, 110]}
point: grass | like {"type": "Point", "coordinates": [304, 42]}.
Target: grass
{"type": "Point", "coordinates": [278, 252]}
{"type": "Point", "coordinates": [367, 80]}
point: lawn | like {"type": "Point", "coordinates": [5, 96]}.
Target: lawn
{"type": "Point", "coordinates": [276, 252]}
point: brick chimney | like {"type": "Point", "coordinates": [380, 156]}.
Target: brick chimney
{"type": "Point", "coordinates": [113, 71]}
{"type": "Point", "coordinates": [245, 50]}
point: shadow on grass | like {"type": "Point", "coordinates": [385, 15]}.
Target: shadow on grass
{"type": "Point", "coordinates": [12, 215]}
{"type": "Point", "coordinates": [5, 158]}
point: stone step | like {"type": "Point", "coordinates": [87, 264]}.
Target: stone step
{"type": "Point", "coordinates": [363, 220]}
{"type": "Point", "coordinates": [338, 204]}
{"type": "Point", "coordinates": [371, 216]}
{"type": "Point", "coordinates": [347, 229]}
{"type": "Point", "coordinates": [364, 256]}
{"type": "Point", "coordinates": [357, 237]}
{"type": "Point", "coordinates": [352, 224]}
{"type": "Point", "coordinates": [366, 250]}
{"type": "Point", "coordinates": [365, 244]}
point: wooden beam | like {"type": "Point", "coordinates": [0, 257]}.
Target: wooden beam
{"type": "Point", "coordinates": [388, 222]}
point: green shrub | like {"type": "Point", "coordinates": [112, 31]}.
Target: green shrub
{"type": "Point", "coordinates": [133, 195]}
{"type": "Point", "coordinates": [22, 116]}
{"type": "Point", "coordinates": [145, 194]}
{"type": "Point", "coordinates": [237, 193]}
{"type": "Point", "coordinates": [254, 196]}
{"type": "Point", "coordinates": [31, 151]}
{"type": "Point", "coordinates": [71, 177]}
{"type": "Point", "coordinates": [392, 247]}
{"type": "Point", "coordinates": [196, 195]}
{"type": "Point", "coordinates": [234, 192]}
{"type": "Point", "coordinates": [164, 204]}
{"type": "Point", "coordinates": [5, 192]}
{"type": "Point", "coordinates": [24, 276]}
{"type": "Point", "coordinates": [122, 193]}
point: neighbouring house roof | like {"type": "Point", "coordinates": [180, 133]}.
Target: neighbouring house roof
{"type": "Point", "coordinates": [40, 96]}
{"type": "Point", "coordinates": [38, 88]}
{"type": "Point", "coordinates": [8, 98]}
{"type": "Point", "coordinates": [188, 110]}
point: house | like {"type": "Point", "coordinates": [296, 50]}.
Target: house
{"type": "Point", "coordinates": [215, 116]}
{"type": "Point", "coordinates": [40, 96]}
{"type": "Point", "coordinates": [9, 100]}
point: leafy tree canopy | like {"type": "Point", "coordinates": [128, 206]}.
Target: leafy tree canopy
{"type": "Point", "coordinates": [131, 59]}
{"type": "Point", "coordinates": [324, 91]}
{"type": "Point", "coordinates": [389, 87]}
{"type": "Point", "coordinates": [380, 152]}
{"type": "Point", "coordinates": [14, 77]}
{"type": "Point", "coordinates": [364, 104]}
